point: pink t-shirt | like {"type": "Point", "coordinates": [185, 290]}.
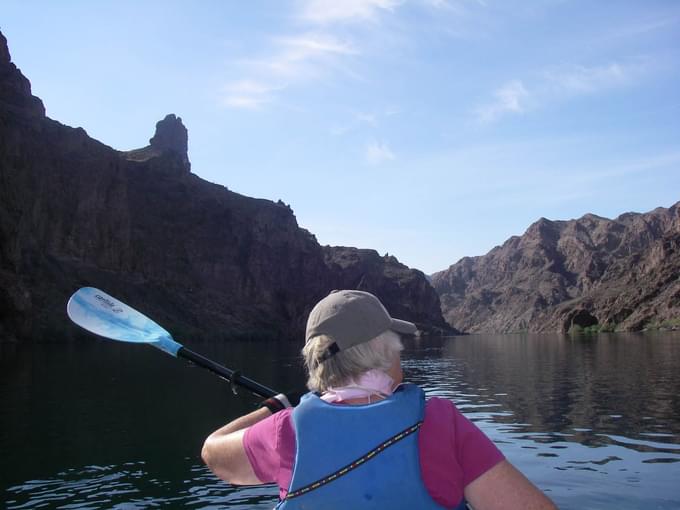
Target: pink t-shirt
{"type": "Point", "coordinates": [453, 451]}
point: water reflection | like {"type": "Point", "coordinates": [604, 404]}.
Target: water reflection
{"type": "Point", "coordinates": [133, 485]}
{"type": "Point", "coordinates": [594, 421]}
{"type": "Point", "coordinates": [625, 385]}
{"type": "Point", "coordinates": [601, 411]}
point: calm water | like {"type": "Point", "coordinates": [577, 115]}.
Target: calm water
{"type": "Point", "coordinates": [594, 421]}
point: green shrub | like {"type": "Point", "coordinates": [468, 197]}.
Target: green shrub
{"type": "Point", "coordinates": [655, 325]}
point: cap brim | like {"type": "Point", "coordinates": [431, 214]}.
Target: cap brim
{"type": "Point", "coordinates": [404, 327]}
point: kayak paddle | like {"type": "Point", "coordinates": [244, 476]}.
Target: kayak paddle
{"type": "Point", "coordinates": [105, 316]}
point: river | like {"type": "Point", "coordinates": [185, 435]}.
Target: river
{"type": "Point", "coordinates": [592, 420]}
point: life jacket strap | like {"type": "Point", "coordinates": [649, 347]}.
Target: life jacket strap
{"type": "Point", "coordinates": [356, 463]}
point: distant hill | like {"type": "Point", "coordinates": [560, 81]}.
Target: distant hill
{"type": "Point", "coordinates": [621, 274]}
{"type": "Point", "coordinates": [202, 260]}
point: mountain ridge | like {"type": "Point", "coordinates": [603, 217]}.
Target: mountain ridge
{"type": "Point", "coordinates": [591, 272]}
{"type": "Point", "coordinates": [200, 259]}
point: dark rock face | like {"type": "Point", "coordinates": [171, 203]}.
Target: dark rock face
{"type": "Point", "coordinates": [171, 135]}
{"type": "Point", "coordinates": [171, 140]}
{"type": "Point", "coordinates": [404, 292]}
{"type": "Point", "coordinates": [199, 259]}
{"type": "Point", "coordinates": [622, 273]}
{"type": "Point", "coordinates": [15, 89]}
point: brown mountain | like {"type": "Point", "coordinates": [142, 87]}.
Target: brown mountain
{"type": "Point", "coordinates": [621, 274]}
{"type": "Point", "coordinates": [200, 259]}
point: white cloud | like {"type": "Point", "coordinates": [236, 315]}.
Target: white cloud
{"type": "Point", "coordinates": [458, 6]}
{"type": "Point", "coordinates": [364, 119]}
{"type": "Point", "coordinates": [248, 94]}
{"type": "Point", "coordinates": [244, 102]}
{"type": "Point", "coordinates": [438, 4]}
{"type": "Point", "coordinates": [510, 98]}
{"type": "Point", "coordinates": [668, 160]}
{"type": "Point", "coordinates": [560, 83]}
{"type": "Point", "coordinates": [642, 27]}
{"type": "Point", "coordinates": [318, 51]}
{"type": "Point", "coordinates": [378, 153]}
{"type": "Point", "coordinates": [579, 79]}
{"type": "Point", "coordinates": [306, 46]}
{"type": "Point", "coordinates": [293, 60]}
{"type": "Point", "coordinates": [340, 130]}
{"type": "Point", "coordinates": [322, 12]}
{"type": "Point", "coordinates": [298, 56]}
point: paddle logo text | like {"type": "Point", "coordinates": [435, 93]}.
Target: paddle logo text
{"type": "Point", "coordinates": [107, 303]}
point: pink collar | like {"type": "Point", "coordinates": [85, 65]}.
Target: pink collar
{"type": "Point", "coordinates": [371, 383]}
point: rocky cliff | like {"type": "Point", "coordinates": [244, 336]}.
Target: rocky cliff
{"type": "Point", "coordinates": [621, 274]}
{"type": "Point", "coordinates": [203, 261]}
{"type": "Point", "coordinates": [386, 276]}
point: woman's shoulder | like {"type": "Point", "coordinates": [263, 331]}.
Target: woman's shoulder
{"type": "Point", "coordinates": [444, 420]}
{"type": "Point", "coordinates": [446, 429]}
{"type": "Point", "coordinates": [440, 407]}
{"type": "Point", "coordinates": [270, 429]}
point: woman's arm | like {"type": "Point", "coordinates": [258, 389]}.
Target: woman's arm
{"type": "Point", "coordinates": [504, 488]}
{"type": "Point", "coordinates": [224, 454]}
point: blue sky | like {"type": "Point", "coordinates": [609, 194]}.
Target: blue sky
{"type": "Point", "coordinates": [427, 129]}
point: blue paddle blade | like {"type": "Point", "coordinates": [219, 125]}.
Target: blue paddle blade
{"type": "Point", "coordinates": [103, 315]}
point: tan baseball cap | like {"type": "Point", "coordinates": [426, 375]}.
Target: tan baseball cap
{"type": "Point", "coordinates": [352, 317]}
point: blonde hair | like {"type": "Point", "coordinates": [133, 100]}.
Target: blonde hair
{"type": "Point", "coordinates": [338, 370]}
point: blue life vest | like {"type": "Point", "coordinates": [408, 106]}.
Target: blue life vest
{"type": "Point", "coordinates": [359, 457]}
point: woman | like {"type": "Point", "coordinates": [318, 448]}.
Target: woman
{"type": "Point", "coordinates": [360, 438]}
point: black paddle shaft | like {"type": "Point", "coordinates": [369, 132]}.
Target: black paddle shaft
{"type": "Point", "coordinates": [232, 376]}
